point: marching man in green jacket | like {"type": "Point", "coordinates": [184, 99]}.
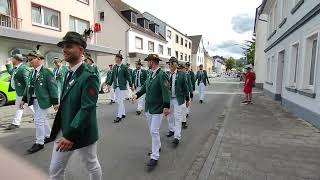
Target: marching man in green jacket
{"type": "Point", "coordinates": [59, 73]}
{"type": "Point", "coordinates": [119, 78]}
{"type": "Point", "coordinates": [111, 91]}
{"type": "Point", "coordinates": [76, 122]}
{"type": "Point", "coordinates": [157, 103]}
{"type": "Point", "coordinates": [203, 80]}
{"type": "Point", "coordinates": [18, 82]}
{"type": "Point", "coordinates": [184, 69]}
{"type": "Point", "coordinates": [179, 94]}
{"type": "Point", "coordinates": [139, 77]}
{"type": "Point", "coordinates": [42, 93]}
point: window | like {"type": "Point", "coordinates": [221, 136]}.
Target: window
{"type": "Point", "coordinates": [310, 62]}
{"type": "Point", "coordinates": [156, 29]}
{"type": "Point", "coordinates": [313, 62]}
{"type": "Point", "coordinates": [189, 45]}
{"type": "Point", "coordinates": [84, 1]}
{"type": "Point", "coordinates": [169, 51]}
{"type": "Point", "coordinates": [276, 16]}
{"type": "Point", "coordinates": [294, 64]}
{"type": "Point", "coordinates": [186, 44]}
{"type": "Point", "coordinates": [186, 57]}
{"type": "Point", "coordinates": [139, 43]}
{"type": "Point", "coordinates": [177, 39]}
{"type": "Point", "coordinates": [5, 7]}
{"type": "Point", "coordinates": [133, 18]}
{"type": "Point", "coordinates": [177, 54]}
{"type": "Point", "coordinates": [78, 25]}
{"type": "Point", "coordinates": [146, 24]}
{"type": "Point", "coordinates": [169, 34]}
{"type": "Point", "coordinates": [45, 17]}
{"type": "Point", "coordinates": [101, 16]}
{"type": "Point", "coordinates": [181, 56]}
{"type": "Point", "coordinates": [189, 58]}
{"type": "Point", "coordinates": [270, 29]}
{"type": "Point", "coordinates": [284, 10]}
{"type": "Point", "coordinates": [181, 41]}
{"type": "Point", "coordinates": [151, 46]}
{"type": "Point", "coordinates": [160, 49]}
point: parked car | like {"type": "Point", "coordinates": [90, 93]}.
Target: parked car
{"type": "Point", "coordinates": [5, 96]}
{"type": "Point", "coordinates": [212, 75]}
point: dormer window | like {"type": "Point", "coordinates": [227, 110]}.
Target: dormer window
{"type": "Point", "coordinates": [133, 18]}
{"type": "Point", "coordinates": [146, 24]}
{"type": "Point", "coordinates": [156, 29]}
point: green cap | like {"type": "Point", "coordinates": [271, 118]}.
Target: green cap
{"type": "Point", "coordinates": [173, 60]}
{"type": "Point", "coordinates": [73, 37]}
{"type": "Point", "coordinates": [35, 54]}
{"type": "Point", "coordinates": [152, 57]}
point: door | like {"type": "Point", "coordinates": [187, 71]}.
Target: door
{"type": "Point", "coordinates": [279, 81]}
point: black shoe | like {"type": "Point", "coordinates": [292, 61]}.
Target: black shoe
{"type": "Point", "coordinates": [152, 164]}
{"type": "Point", "coordinates": [176, 141]}
{"type": "Point", "coordinates": [117, 120]}
{"type": "Point", "coordinates": [187, 115]}
{"type": "Point", "coordinates": [127, 99]}
{"type": "Point", "coordinates": [149, 153]}
{"type": "Point", "coordinates": [47, 140]}
{"type": "Point", "coordinates": [138, 113]}
{"type": "Point", "coordinates": [35, 148]}
{"type": "Point", "coordinates": [184, 125]}
{"type": "Point", "coordinates": [201, 101]}
{"type": "Point", "coordinates": [12, 127]}
{"type": "Point", "coordinates": [110, 102]}
{"type": "Point", "coordinates": [170, 134]}
{"type": "Point", "coordinates": [123, 116]}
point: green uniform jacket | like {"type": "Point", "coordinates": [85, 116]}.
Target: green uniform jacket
{"type": "Point", "coordinates": [181, 88]}
{"type": "Point", "coordinates": [45, 89]}
{"type": "Point", "coordinates": [109, 75]}
{"type": "Point", "coordinates": [193, 79]}
{"type": "Point", "coordinates": [123, 77]}
{"type": "Point", "coordinates": [157, 90]}
{"type": "Point", "coordinates": [143, 77]}
{"type": "Point", "coordinates": [204, 78]}
{"type": "Point", "coordinates": [60, 76]}
{"type": "Point", "coordinates": [190, 84]}
{"type": "Point", "coordinates": [76, 116]}
{"type": "Point", "coordinates": [21, 78]}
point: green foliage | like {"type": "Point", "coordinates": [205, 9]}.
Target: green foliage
{"type": "Point", "coordinates": [249, 50]}
{"type": "Point", "coordinates": [230, 63]}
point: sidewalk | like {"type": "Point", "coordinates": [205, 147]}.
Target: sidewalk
{"type": "Point", "coordinates": [263, 142]}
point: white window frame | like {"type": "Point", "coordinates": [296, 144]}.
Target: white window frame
{"type": "Point", "coordinates": [284, 9]}
{"type": "Point", "coordinates": [42, 17]}
{"type": "Point", "coordinates": [76, 20]}
{"type": "Point", "coordinates": [141, 43]}
{"type": "Point", "coordinates": [84, 1]}
{"type": "Point", "coordinates": [295, 55]}
{"type": "Point", "coordinates": [159, 48]}
{"type": "Point", "coordinates": [169, 34]}
{"type": "Point", "coordinates": [150, 50]}
{"type": "Point", "coordinates": [276, 16]}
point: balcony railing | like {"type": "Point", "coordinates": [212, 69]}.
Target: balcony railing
{"type": "Point", "coordinates": [10, 22]}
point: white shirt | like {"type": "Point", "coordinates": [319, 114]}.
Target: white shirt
{"type": "Point", "coordinates": [119, 65]}
{"type": "Point", "coordinates": [13, 85]}
{"type": "Point", "coordinates": [173, 85]}
{"type": "Point", "coordinates": [138, 78]}
{"type": "Point", "coordinates": [154, 72]}
{"type": "Point", "coordinates": [56, 72]}
{"type": "Point", "coordinates": [75, 67]}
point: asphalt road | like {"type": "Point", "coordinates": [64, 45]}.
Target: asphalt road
{"type": "Point", "coordinates": [122, 148]}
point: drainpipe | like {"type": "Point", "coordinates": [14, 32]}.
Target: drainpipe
{"type": "Point", "coordinates": [127, 43]}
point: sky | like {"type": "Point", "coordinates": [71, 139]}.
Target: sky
{"type": "Point", "coordinates": [224, 24]}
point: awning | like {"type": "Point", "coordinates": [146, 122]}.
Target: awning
{"type": "Point", "coordinates": [43, 39]}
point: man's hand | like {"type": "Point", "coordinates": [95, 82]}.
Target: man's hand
{"type": "Point", "coordinates": [108, 89]}
{"type": "Point", "coordinates": [133, 98]}
{"type": "Point", "coordinates": [21, 105]}
{"type": "Point", "coordinates": [166, 111]}
{"type": "Point", "coordinates": [56, 107]}
{"type": "Point", "coordinates": [64, 145]}
{"type": "Point", "coordinates": [188, 103]}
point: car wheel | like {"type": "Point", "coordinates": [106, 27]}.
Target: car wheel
{"type": "Point", "coordinates": [3, 99]}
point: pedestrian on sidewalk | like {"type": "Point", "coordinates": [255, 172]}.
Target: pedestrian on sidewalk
{"type": "Point", "coordinates": [42, 93]}
{"type": "Point", "coordinates": [248, 85]}
{"type": "Point", "coordinates": [139, 77]}
{"type": "Point", "coordinates": [59, 72]}
{"type": "Point", "coordinates": [112, 95]}
{"type": "Point", "coordinates": [203, 81]}
{"type": "Point", "coordinates": [119, 78]}
{"type": "Point", "coordinates": [157, 103]}
{"type": "Point", "coordinates": [76, 120]}
{"type": "Point", "coordinates": [192, 85]}
{"type": "Point", "coordinates": [18, 82]}
{"type": "Point", "coordinates": [179, 100]}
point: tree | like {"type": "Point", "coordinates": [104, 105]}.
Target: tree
{"type": "Point", "coordinates": [249, 50]}
{"type": "Point", "coordinates": [230, 63]}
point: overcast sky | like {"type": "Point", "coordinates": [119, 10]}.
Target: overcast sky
{"type": "Point", "coordinates": [223, 23]}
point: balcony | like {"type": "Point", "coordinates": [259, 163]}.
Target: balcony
{"type": "Point", "coordinates": [10, 22]}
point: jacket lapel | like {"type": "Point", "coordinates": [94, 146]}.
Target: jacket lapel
{"type": "Point", "coordinates": [72, 81]}
{"type": "Point", "coordinates": [152, 79]}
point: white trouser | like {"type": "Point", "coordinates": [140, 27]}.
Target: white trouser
{"type": "Point", "coordinates": [41, 122]}
{"type": "Point", "coordinates": [88, 154]}
{"type": "Point", "coordinates": [175, 117]}
{"type": "Point", "coordinates": [112, 94]}
{"type": "Point", "coordinates": [154, 123]}
{"type": "Point", "coordinates": [201, 90]}
{"type": "Point", "coordinates": [129, 92]}
{"type": "Point", "coordinates": [17, 117]}
{"type": "Point", "coordinates": [140, 100]}
{"type": "Point", "coordinates": [119, 100]}
{"type": "Point", "coordinates": [185, 112]}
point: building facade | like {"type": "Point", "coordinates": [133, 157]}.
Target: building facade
{"type": "Point", "coordinates": [197, 52]}
{"type": "Point", "coordinates": [219, 67]}
{"type": "Point", "coordinates": [208, 62]}
{"type": "Point", "coordinates": [26, 24]}
{"type": "Point", "coordinates": [292, 55]}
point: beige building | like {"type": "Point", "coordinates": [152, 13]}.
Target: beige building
{"type": "Point", "coordinates": [197, 52]}
{"type": "Point", "coordinates": [208, 62]}
{"type": "Point", "coordinates": [25, 24]}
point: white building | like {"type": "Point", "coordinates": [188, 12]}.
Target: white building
{"type": "Point", "coordinates": [292, 55]}
{"type": "Point", "coordinates": [260, 28]}
{"type": "Point", "coordinates": [124, 27]}
{"type": "Point", "coordinates": [197, 57]}
{"type": "Point", "coordinates": [25, 24]}
{"type": "Point", "coordinates": [219, 67]}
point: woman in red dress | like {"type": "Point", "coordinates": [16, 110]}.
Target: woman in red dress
{"type": "Point", "coordinates": [248, 85]}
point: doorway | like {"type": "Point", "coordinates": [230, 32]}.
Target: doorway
{"type": "Point", "coordinates": [279, 81]}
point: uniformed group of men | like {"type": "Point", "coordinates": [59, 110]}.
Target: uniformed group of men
{"type": "Point", "coordinates": [73, 93]}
